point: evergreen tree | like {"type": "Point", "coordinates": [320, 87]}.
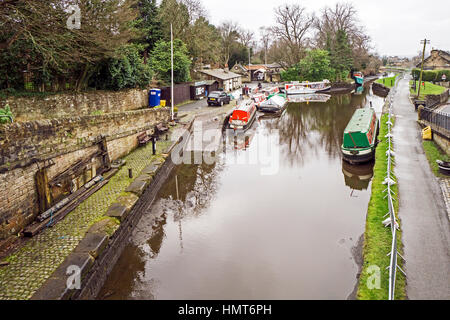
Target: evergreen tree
{"type": "Point", "coordinates": [149, 23]}
{"type": "Point", "coordinates": [341, 55]}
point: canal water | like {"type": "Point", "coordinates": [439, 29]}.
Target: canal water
{"type": "Point", "coordinates": [253, 230]}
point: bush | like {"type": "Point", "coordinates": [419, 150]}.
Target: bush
{"type": "Point", "coordinates": [316, 66]}
{"type": "Point", "coordinates": [126, 71]}
{"type": "Point", "coordinates": [160, 61]}
{"type": "Point", "coordinates": [6, 112]}
{"type": "Point", "coordinates": [431, 75]}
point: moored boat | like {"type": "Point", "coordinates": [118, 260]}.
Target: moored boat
{"type": "Point", "coordinates": [258, 99]}
{"type": "Point", "coordinates": [243, 116]}
{"type": "Point", "coordinates": [359, 77]}
{"type": "Point", "coordinates": [307, 87]}
{"type": "Point", "coordinates": [275, 104]}
{"type": "Point", "coordinates": [315, 97]}
{"type": "Point", "coordinates": [360, 137]}
{"type": "Point", "coordinates": [270, 91]}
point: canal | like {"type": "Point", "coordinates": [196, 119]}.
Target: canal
{"type": "Point", "coordinates": [246, 229]}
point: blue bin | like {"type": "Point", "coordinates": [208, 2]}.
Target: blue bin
{"type": "Point", "coordinates": [154, 98]}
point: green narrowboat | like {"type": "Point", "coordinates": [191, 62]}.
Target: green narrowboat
{"type": "Point", "coordinates": [360, 137]}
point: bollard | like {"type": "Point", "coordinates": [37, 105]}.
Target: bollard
{"type": "Point", "coordinates": [130, 173]}
{"type": "Point", "coordinates": [167, 137]}
{"type": "Point", "coordinates": [154, 145]}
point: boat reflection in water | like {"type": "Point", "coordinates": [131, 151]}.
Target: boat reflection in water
{"type": "Point", "coordinates": [314, 97]}
{"type": "Point", "coordinates": [359, 90]}
{"type": "Point", "coordinates": [358, 177]}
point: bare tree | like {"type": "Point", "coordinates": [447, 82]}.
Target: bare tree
{"type": "Point", "coordinates": [195, 9]}
{"type": "Point", "coordinates": [343, 17]}
{"type": "Point", "coordinates": [292, 28]}
{"type": "Point", "coordinates": [246, 37]}
{"type": "Point", "coordinates": [229, 32]}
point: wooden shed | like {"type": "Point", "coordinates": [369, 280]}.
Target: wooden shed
{"type": "Point", "coordinates": [198, 90]}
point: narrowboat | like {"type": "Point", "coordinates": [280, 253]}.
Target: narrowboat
{"type": "Point", "coordinates": [274, 104]}
{"type": "Point", "coordinates": [359, 77]}
{"type": "Point", "coordinates": [243, 116]}
{"type": "Point", "coordinates": [315, 97]}
{"type": "Point", "coordinates": [307, 87]}
{"type": "Point", "coordinates": [360, 137]}
{"type": "Point", "coordinates": [258, 99]}
{"type": "Point", "coordinates": [270, 91]}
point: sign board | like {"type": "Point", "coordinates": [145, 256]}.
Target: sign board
{"type": "Point", "coordinates": [199, 83]}
{"type": "Point", "coordinates": [199, 91]}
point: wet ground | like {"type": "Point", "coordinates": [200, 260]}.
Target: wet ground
{"type": "Point", "coordinates": [277, 216]}
{"type": "Point", "coordinates": [422, 211]}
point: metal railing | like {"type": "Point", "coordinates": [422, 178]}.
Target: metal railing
{"type": "Point", "coordinates": [390, 182]}
{"type": "Point", "coordinates": [437, 119]}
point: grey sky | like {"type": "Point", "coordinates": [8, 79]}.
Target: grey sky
{"type": "Point", "coordinates": [396, 27]}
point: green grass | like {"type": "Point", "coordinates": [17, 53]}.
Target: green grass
{"type": "Point", "coordinates": [377, 238]}
{"type": "Point", "coordinates": [434, 152]}
{"type": "Point", "coordinates": [388, 82]}
{"type": "Point", "coordinates": [429, 89]}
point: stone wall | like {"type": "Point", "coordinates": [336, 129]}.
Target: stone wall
{"type": "Point", "coordinates": [442, 142]}
{"type": "Point", "coordinates": [76, 104]}
{"type": "Point", "coordinates": [434, 100]}
{"type": "Point", "coordinates": [59, 144]}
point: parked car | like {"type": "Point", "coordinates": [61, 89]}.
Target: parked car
{"type": "Point", "coordinates": [218, 98]}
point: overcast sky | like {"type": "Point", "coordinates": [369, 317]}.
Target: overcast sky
{"type": "Point", "coordinates": [396, 26]}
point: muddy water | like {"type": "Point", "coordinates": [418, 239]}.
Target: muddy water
{"type": "Point", "coordinates": [227, 231]}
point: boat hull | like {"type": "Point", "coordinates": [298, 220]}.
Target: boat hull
{"type": "Point", "coordinates": [245, 126]}
{"type": "Point", "coordinates": [359, 158]}
{"type": "Point", "coordinates": [305, 90]}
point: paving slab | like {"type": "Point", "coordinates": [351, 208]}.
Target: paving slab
{"type": "Point", "coordinates": [423, 213]}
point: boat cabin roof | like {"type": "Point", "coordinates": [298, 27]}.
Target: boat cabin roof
{"type": "Point", "coordinates": [246, 106]}
{"type": "Point", "coordinates": [360, 121]}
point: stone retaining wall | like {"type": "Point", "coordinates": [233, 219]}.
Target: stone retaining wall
{"type": "Point", "coordinates": [75, 104]}
{"type": "Point", "coordinates": [59, 144]}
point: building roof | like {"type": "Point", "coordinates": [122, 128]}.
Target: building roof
{"type": "Point", "coordinates": [221, 74]}
{"type": "Point", "coordinates": [255, 67]}
{"type": "Point", "coordinates": [272, 65]}
{"type": "Point", "coordinates": [441, 53]}
{"type": "Point", "coordinates": [240, 67]}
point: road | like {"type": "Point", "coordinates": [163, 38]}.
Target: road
{"type": "Point", "coordinates": [423, 215]}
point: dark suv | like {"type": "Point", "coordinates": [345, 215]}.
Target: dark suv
{"type": "Point", "coordinates": [218, 98]}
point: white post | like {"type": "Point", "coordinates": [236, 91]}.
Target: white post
{"type": "Point", "coordinates": [171, 57]}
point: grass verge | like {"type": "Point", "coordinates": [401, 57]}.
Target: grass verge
{"type": "Point", "coordinates": [427, 90]}
{"type": "Point", "coordinates": [387, 82]}
{"type": "Point", "coordinates": [377, 238]}
{"type": "Point", "coordinates": [434, 152]}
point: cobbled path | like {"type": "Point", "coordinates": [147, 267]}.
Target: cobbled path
{"type": "Point", "coordinates": [35, 262]}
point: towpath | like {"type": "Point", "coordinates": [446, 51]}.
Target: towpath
{"type": "Point", "coordinates": [423, 214]}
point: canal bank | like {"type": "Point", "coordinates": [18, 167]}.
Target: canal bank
{"type": "Point", "coordinates": [374, 278]}
{"type": "Point", "coordinates": [226, 231]}
{"type": "Point", "coordinates": [93, 234]}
